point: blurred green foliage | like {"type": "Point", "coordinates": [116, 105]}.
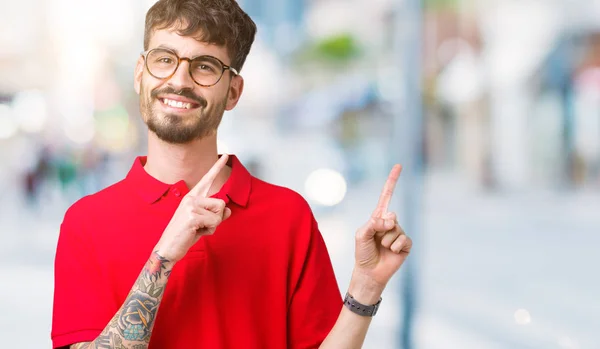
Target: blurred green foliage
{"type": "Point", "coordinates": [336, 50]}
{"type": "Point", "coordinates": [339, 48]}
{"type": "Point", "coordinates": [440, 4]}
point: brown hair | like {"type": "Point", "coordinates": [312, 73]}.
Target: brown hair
{"type": "Point", "coordinates": [220, 22]}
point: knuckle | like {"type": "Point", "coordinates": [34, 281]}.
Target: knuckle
{"type": "Point", "coordinates": [191, 216]}
{"type": "Point", "coordinates": [360, 234]}
{"type": "Point", "coordinates": [214, 203]}
{"type": "Point", "coordinates": [191, 202]}
{"type": "Point", "coordinates": [374, 222]}
{"type": "Point", "coordinates": [213, 220]}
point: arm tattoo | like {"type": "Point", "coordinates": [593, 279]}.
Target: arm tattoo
{"type": "Point", "coordinates": [132, 326]}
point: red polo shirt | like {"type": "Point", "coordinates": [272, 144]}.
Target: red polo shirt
{"type": "Point", "coordinates": [263, 280]}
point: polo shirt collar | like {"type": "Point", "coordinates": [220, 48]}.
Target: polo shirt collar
{"type": "Point", "coordinates": [236, 188]}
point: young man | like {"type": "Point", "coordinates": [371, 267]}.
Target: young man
{"type": "Point", "coordinates": [233, 262]}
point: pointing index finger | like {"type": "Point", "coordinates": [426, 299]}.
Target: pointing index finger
{"type": "Point", "coordinates": [206, 182]}
{"type": "Point", "coordinates": [388, 191]}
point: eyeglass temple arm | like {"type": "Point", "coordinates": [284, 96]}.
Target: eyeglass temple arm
{"type": "Point", "coordinates": [233, 70]}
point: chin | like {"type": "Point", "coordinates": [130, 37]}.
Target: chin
{"type": "Point", "coordinates": [171, 130]}
{"type": "Point", "coordinates": [174, 137]}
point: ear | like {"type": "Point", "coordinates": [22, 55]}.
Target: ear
{"type": "Point", "coordinates": [137, 75]}
{"type": "Point", "coordinates": [236, 87]}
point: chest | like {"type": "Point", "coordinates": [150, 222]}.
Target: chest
{"type": "Point", "coordinates": [242, 253]}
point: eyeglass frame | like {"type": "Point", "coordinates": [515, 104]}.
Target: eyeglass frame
{"type": "Point", "coordinates": [189, 60]}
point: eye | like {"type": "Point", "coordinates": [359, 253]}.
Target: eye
{"type": "Point", "coordinates": [206, 67]}
{"type": "Point", "coordinates": [162, 58]}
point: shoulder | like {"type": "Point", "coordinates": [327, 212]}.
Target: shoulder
{"type": "Point", "coordinates": [280, 197]}
{"type": "Point", "coordinates": [285, 211]}
{"type": "Point", "coordinates": [89, 205]}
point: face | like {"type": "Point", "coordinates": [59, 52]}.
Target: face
{"type": "Point", "coordinates": [177, 109]}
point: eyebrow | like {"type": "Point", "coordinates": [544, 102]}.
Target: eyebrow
{"type": "Point", "coordinates": [168, 48]}
{"type": "Point", "coordinates": [163, 46]}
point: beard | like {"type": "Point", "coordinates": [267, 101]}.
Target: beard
{"type": "Point", "coordinates": [180, 129]}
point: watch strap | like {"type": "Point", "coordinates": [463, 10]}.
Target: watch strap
{"type": "Point", "coordinates": [359, 308]}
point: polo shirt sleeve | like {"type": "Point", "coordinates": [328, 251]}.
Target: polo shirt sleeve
{"type": "Point", "coordinates": [317, 301]}
{"type": "Point", "coordinates": [79, 297]}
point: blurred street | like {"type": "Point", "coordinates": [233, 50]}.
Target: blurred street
{"type": "Point", "coordinates": [468, 294]}
{"type": "Point", "coordinates": [493, 105]}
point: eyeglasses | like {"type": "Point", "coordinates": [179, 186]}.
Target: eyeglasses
{"type": "Point", "coordinates": [205, 70]}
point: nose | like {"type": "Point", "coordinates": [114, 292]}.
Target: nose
{"type": "Point", "coordinates": [182, 79]}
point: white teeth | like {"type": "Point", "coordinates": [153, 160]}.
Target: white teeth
{"type": "Point", "coordinates": [176, 104]}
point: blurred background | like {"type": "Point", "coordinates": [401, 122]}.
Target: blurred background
{"type": "Point", "coordinates": [492, 106]}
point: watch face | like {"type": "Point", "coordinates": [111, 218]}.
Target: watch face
{"type": "Point", "coordinates": [374, 310]}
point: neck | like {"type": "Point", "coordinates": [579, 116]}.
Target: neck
{"type": "Point", "coordinates": [170, 163]}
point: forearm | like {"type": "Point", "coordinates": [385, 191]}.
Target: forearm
{"type": "Point", "coordinates": [131, 327]}
{"type": "Point", "coordinates": [350, 329]}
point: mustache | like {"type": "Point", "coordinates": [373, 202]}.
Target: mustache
{"type": "Point", "coordinates": [185, 92]}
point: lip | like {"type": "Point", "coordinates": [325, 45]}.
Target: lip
{"type": "Point", "coordinates": [194, 104]}
{"type": "Point", "coordinates": [178, 99]}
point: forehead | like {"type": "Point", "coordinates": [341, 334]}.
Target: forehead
{"type": "Point", "coordinates": [186, 46]}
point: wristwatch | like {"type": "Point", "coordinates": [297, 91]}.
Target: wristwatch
{"type": "Point", "coordinates": [361, 309]}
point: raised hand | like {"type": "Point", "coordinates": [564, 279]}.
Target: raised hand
{"type": "Point", "coordinates": [197, 215]}
{"type": "Point", "coordinates": [381, 244]}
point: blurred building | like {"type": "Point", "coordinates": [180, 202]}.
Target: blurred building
{"type": "Point", "coordinates": [511, 101]}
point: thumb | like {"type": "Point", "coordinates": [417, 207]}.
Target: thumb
{"type": "Point", "coordinates": [373, 226]}
{"type": "Point", "coordinates": [388, 216]}
{"type": "Point", "coordinates": [226, 213]}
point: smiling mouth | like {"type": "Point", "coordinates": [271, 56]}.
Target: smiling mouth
{"type": "Point", "coordinates": [178, 104]}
